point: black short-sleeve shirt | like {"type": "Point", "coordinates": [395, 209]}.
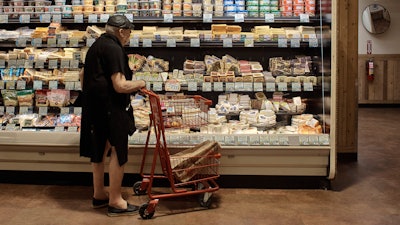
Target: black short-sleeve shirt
{"type": "Point", "coordinates": [104, 115]}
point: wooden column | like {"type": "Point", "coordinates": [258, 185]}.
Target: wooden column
{"type": "Point", "coordinates": [347, 72]}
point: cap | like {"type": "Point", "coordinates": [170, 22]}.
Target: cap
{"type": "Point", "coordinates": [120, 21]}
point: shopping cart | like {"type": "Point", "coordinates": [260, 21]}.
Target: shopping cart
{"type": "Point", "coordinates": [192, 171]}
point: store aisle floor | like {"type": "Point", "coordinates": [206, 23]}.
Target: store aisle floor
{"type": "Point", "coordinates": [364, 192]}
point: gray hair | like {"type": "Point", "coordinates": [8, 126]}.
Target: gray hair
{"type": "Point", "coordinates": [111, 30]}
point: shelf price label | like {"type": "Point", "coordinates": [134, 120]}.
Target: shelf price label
{"type": "Point", "coordinates": [230, 86]}
{"type": "Point", "coordinates": [269, 18]}
{"type": "Point", "coordinates": [157, 86]}
{"type": "Point", "coordinates": [78, 18]}
{"type": "Point", "coordinates": [90, 41]}
{"type": "Point", "coordinates": [64, 110]}
{"type": "Point", "coordinates": [43, 110]}
{"type": "Point", "coordinates": [249, 42]}
{"type": "Point", "coordinates": [282, 86]}
{"type": "Point", "coordinates": [36, 42]}
{"type": "Point", "coordinates": [147, 43]}
{"type": "Point", "coordinates": [134, 42]}
{"type": "Point", "coordinates": [104, 18]}
{"type": "Point", "coordinates": [53, 63]}
{"type": "Point", "coordinates": [207, 18]}
{"type": "Point", "coordinates": [23, 110]}
{"type": "Point", "coordinates": [53, 85]}
{"type": "Point", "coordinates": [308, 86]}
{"type": "Point", "coordinates": [1, 85]}
{"type": "Point", "coordinates": [195, 42]}
{"type": "Point", "coordinates": [192, 86]}
{"type": "Point", "coordinates": [304, 18]}
{"type": "Point", "coordinates": [254, 140]}
{"type": "Point", "coordinates": [270, 87]}
{"type": "Point", "coordinates": [239, 18]}
{"type": "Point", "coordinates": [73, 42]}
{"type": "Point", "coordinates": [218, 86]}
{"type": "Point", "coordinates": [39, 64]}
{"type": "Point", "coordinates": [92, 18]}
{"type": "Point", "coordinates": [37, 85]}
{"type": "Point", "coordinates": [2, 63]}
{"type": "Point", "coordinates": [282, 43]}
{"type": "Point", "coordinates": [20, 42]}
{"type": "Point", "coordinates": [21, 85]}
{"type": "Point", "coordinates": [4, 18]}
{"type": "Point", "coordinates": [74, 64]}
{"type": "Point", "coordinates": [206, 87]}
{"type": "Point", "coordinates": [313, 42]}
{"type": "Point", "coordinates": [296, 87]}
{"type": "Point", "coordinates": [227, 42]}
{"type": "Point", "coordinates": [28, 64]}
{"type": "Point", "coordinates": [168, 18]}
{"type": "Point", "coordinates": [129, 16]}
{"type": "Point", "coordinates": [62, 42]}
{"type": "Point", "coordinates": [51, 42]}
{"type": "Point", "coordinates": [26, 18]}
{"type": "Point", "coordinates": [295, 43]}
{"type": "Point", "coordinates": [57, 18]}
{"type": "Point", "coordinates": [258, 86]}
{"type": "Point", "coordinates": [171, 43]}
{"type": "Point", "coordinates": [64, 64]}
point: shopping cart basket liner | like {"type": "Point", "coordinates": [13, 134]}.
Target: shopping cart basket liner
{"type": "Point", "coordinates": [200, 159]}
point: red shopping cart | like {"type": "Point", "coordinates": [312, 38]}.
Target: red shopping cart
{"type": "Point", "coordinates": [192, 171]}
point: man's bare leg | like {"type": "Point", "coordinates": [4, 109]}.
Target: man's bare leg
{"type": "Point", "coordinates": [116, 173]}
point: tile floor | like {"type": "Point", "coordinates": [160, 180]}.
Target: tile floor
{"type": "Point", "coordinates": [365, 192]}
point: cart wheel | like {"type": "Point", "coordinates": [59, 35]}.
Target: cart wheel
{"type": "Point", "coordinates": [144, 213]}
{"type": "Point", "coordinates": [204, 198]}
{"type": "Point", "coordinates": [136, 188]}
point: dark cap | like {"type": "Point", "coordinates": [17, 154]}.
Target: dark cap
{"type": "Point", "coordinates": [120, 21]}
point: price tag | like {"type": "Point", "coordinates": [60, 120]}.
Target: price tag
{"type": "Point", "coordinates": [269, 18]}
{"type": "Point", "coordinates": [78, 111]}
{"type": "Point", "coordinates": [283, 140]}
{"type": "Point", "coordinates": [218, 86]}
{"type": "Point", "coordinates": [37, 85]}
{"type": "Point", "coordinates": [11, 127]}
{"type": "Point", "coordinates": [36, 42]}
{"type": "Point", "coordinates": [25, 18]}
{"type": "Point", "coordinates": [72, 129]}
{"type": "Point", "coordinates": [62, 42]}
{"type": "Point", "coordinates": [282, 86]}
{"type": "Point", "coordinates": [53, 64]}
{"type": "Point", "coordinates": [64, 110]}
{"type": "Point", "coordinates": [308, 86]}
{"type": "Point", "coordinates": [304, 18]}
{"type": "Point", "coordinates": [53, 84]}
{"type": "Point", "coordinates": [254, 140]}
{"type": "Point", "coordinates": [296, 87]}
{"type": "Point", "coordinates": [207, 18]}
{"type": "Point", "coordinates": [73, 42]}
{"type": "Point", "coordinates": [20, 42]}
{"type": "Point", "coordinates": [2, 63]}
{"type": "Point", "coordinates": [249, 42]}
{"type": "Point", "coordinates": [274, 140]}
{"type": "Point", "coordinates": [1, 109]}
{"type": "Point", "coordinates": [242, 140]}
{"type": "Point", "coordinates": [59, 129]}
{"type": "Point", "coordinates": [57, 18]}
{"type": "Point", "coordinates": [171, 43]}
{"type": "Point", "coordinates": [168, 18]}
{"type": "Point", "coordinates": [23, 110]}
{"type": "Point", "coordinates": [148, 85]}
{"type": "Point", "coordinates": [104, 18]}
{"type": "Point", "coordinates": [12, 63]}
{"type": "Point", "coordinates": [239, 86]}
{"type": "Point", "coordinates": [230, 140]}
{"type": "Point", "coordinates": [69, 85]}
{"type": "Point", "coordinates": [43, 110]}
{"type": "Point", "coordinates": [78, 85]}
{"type": "Point", "coordinates": [324, 139]}
{"type": "Point", "coordinates": [39, 64]}
{"type": "Point", "coordinates": [157, 86]}
{"type": "Point", "coordinates": [239, 17]}
{"type": "Point", "coordinates": [303, 139]}
{"type": "Point", "coordinates": [74, 64]}
{"type": "Point", "coordinates": [147, 43]}
{"type": "Point", "coordinates": [230, 87]}
{"type": "Point", "coordinates": [129, 16]}
{"type": "Point", "coordinates": [78, 18]}
{"type": "Point", "coordinates": [282, 43]}
{"type": "Point", "coordinates": [28, 64]}
{"type": "Point", "coordinates": [20, 63]}
{"type": "Point", "coordinates": [21, 85]}
{"type": "Point", "coordinates": [192, 86]}
{"type": "Point", "coordinates": [258, 86]}
{"type": "Point", "coordinates": [92, 18]}
{"type": "Point", "coordinates": [270, 87]}
{"type": "Point", "coordinates": [313, 43]}
{"type": "Point", "coordinates": [313, 139]}
{"type": "Point", "coordinates": [1, 84]}
{"type": "Point", "coordinates": [64, 64]}
{"type": "Point", "coordinates": [4, 18]}
{"type": "Point", "coordinates": [195, 42]}
{"type": "Point", "coordinates": [206, 87]}
{"type": "Point", "coordinates": [248, 86]}
{"type": "Point", "coordinates": [90, 41]}
{"type": "Point", "coordinates": [295, 43]}
{"type": "Point", "coordinates": [10, 110]}
{"type": "Point", "coordinates": [134, 42]}
{"type": "Point", "coordinates": [227, 42]}
{"type": "Point", "coordinates": [51, 42]}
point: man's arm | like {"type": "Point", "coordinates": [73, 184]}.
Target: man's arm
{"type": "Point", "coordinates": [121, 85]}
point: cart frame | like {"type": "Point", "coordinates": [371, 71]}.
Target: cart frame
{"type": "Point", "coordinates": [203, 185]}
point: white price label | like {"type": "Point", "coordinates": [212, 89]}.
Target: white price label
{"type": "Point", "coordinates": [206, 87]}
{"type": "Point", "coordinates": [282, 86]}
{"type": "Point", "coordinates": [4, 18]}
{"type": "Point", "coordinates": [218, 86]}
{"type": "Point", "coordinates": [171, 43]}
{"type": "Point", "coordinates": [73, 42]}
{"type": "Point", "coordinates": [51, 42]}
{"type": "Point", "coordinates": [26, 18]}
{"type": "Point", "coordinates": [90, 41]}
{"type": "Point", "coordinates": [192, 86]}
{"type": "Point", "coordinates": [308, 86]}
{"type": "Point", "coordinates": [92, 18]}
{"type": "Point", "coordinates": [69, 85]}
{"type": "Point", "coordinates": [258, 86]}
{"type": "Point", "coordinates": [249, 42]}
{"type": "Point", "coordinates": [57, 18]}
{"type": "Point", "coordinates": [239, 86]}
{"type": "Point", "coordinates": [78, 18]}
{"type": "Point", "coordinates": [230, 87]}
{"type": "Point", "coordinates": [270, 87]}
{"type": "Point", "coordinates": [43, 110]}
{"type": "Point", "coordinates": [21, 85]}
{"type": "Point", "coordinates": [295, 43]}
{"type": "Point", "coordinates": [194, 42]}
{"type": "Point", "coordinates": [104, 18]}
{"type": "Point", "coordinates": [157, 86]}
{"type": "Point", "coordinates": [53, 64]}
{"type": "Point", "coordinates": [239, 18]}
{"type": "Point", "coordinates": [296, 87]}
{"type": "Point", "coordinates": [227, 42]}
{"type": "Point", "coordinates": [147, 43]}
{"type": "Point", "coordinates": [282, 43]}
{"type": "Point", "coordinates": [134, 42]}
{"type": "Point", "coordinates": [62, 42]}
{"type": "Point", "coordinates": [207, 18]}
{"type": "Point", "coordinates": [313, 43]}
{"type": "Point", "coordinates": [304, 18]}
{"type": "Point", "coordinates": [53, 85]}
{"type": "Point", "coordinates": [168, 18]}
{"type": "Point", "coordinates": [269, 17]}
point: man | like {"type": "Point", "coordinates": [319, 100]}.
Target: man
{"type": "Point", "coordinates": [106, 122]}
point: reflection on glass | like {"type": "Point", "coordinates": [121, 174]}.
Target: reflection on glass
{"type": "Point", "coordinates": [376, 19]}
